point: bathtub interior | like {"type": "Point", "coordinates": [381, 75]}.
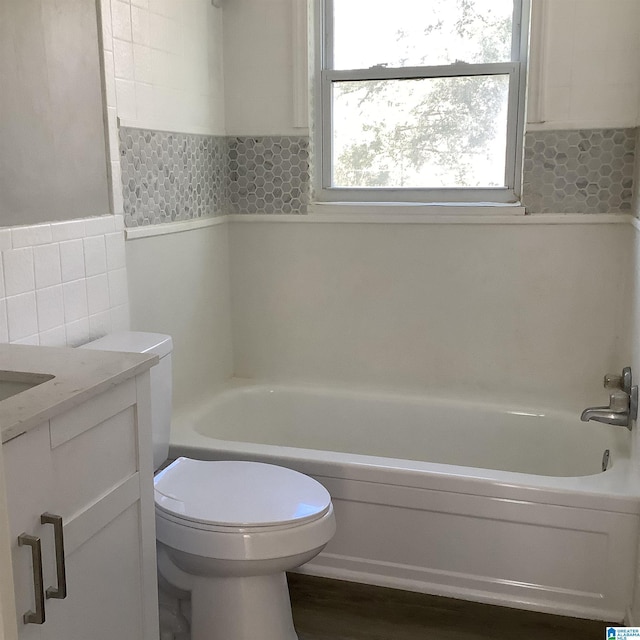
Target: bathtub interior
{"type": "Point", "coordinates": [545, 442]}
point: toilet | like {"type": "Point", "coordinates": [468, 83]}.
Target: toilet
{"type": "Point", "coordinates": [227, 531]}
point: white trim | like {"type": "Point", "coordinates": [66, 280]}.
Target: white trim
{"type": "Point", "coordinates": [300, 65]}
{"type": "Point", "coordinates": [425, 218]}
{"type": "Point", "coordinates": [387, 215]}
{"type": "Point", "coordinates": [537, 61]}
{"type": "Point", "coordinates": [565, 125]}
{"type": "Point", "coordinates": [148, 231]}
{"type": "Point", "coordinates": [165, 127]}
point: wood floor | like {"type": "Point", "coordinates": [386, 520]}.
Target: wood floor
{"type": "Point", "coordinates": [333, 610]}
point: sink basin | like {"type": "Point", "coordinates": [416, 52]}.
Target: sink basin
{"type": "Point", "coordinates": [14, 382]}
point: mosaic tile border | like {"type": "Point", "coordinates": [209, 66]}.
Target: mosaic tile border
{"type": "Point", "coordinates": [579, 171]}
{"type": "Point", "coordinates": [170, 177]}
{"type": "Point", "coordinates": [269, 175]}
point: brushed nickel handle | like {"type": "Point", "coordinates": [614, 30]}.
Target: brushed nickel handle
{"type": "Point", "coordinates": [37, 616]}
{"type": "Point", "coordinates": [61, 572]}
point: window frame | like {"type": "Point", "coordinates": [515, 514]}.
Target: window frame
{"type": "Point", "coordinates": [326, 76]}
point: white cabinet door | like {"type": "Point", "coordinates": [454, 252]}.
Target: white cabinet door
{"type": "Point", "coordinates": [91, 466]}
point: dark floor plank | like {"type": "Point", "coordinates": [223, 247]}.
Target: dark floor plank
{"type": "Point", "coordinates": [334, 610]}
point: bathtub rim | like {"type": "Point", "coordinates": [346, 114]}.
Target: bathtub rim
{"type": "Point", "coordinates": [616, 490]}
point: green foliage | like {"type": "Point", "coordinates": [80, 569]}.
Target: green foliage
{"type": "Point", "coordinates": [443, 124]}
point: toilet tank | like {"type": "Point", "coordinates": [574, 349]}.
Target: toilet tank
{"type": "Point", "coordinates": [161, 383]}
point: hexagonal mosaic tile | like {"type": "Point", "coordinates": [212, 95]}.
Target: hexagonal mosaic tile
{"type": "Point", "coordinates": [170, 177]}
{"type": "Point", "coordinates": [586, 171]}
{"type": "Point", "coordinates": [268, 175]}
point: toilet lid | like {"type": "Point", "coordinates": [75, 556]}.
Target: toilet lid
{"type": "Point", "coordinates": [238, 494]}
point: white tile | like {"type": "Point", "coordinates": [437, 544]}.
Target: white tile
{"type": "Point", "coordinates": [50, 304]}
{"type": "Point", "coordinates": [31, 235]}
{"type": "Point", "coordinates": [112, 133]}
{"type": "Point", "coordinates": [144, 4]}
{"type": "Point", "coordinates": [100, 225]}
{"type": "Point", "coordinates": [142, 63]}
{"type": "Point", "coordinates": [31, 340]}
{"type": "Point", "coordinates": [69, 230]}
{"type": "Point", "coordinates": [99, 325]}
{"type": "Point", "coordinates": [116, 254]}
{"type": "Point", "coordinates": [75, 301]}
{"type": "Point", "coordinates": [72, 260]}
{"type": "Point", "coordinates": [126, 98]}
{"type": "Point", "coordinates": [46, 263]}
{"type": "Point", "coordinates": [2, 291]}
{"type": "Point", "coordinates": [4, 329]}
{"type": "Point", "coordinates": [119, 220]}
{"type": "Point", "coordinates": [95, 255]}
{"type": "Point", "coordinates": [140, 26]}
{"type": "Point", "coordinates": [18, 271]}
{"type": "Point", "coordinates": [116, 193]}
{"type": "Point", "coordinates": [5, 239]}
{"type": "Point", "coordinates": [146, 103]}
{"type": "Point", "coordinates": [123, 60]}
{"type": "Point", "coordinates": [107, 29]}
{"type": "Point", "coordinates": [118, 290]}
{"type": "Point", "coordinates": [77, 332]}
{"type": "Point", "coordinates": [110, 78]}
{"type": "Point", "coordinates": [98, 294]}
{"type": "Point", "coordinates": [121, 20]}
{"type": "Point", "coordinates": [54, 337]}
{"type": "Point", "coordinates": [120, 318]}
{"type": "Point", "coordinates": [22, 317]}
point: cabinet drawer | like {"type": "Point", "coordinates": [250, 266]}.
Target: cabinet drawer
{"type": "Point", "coordinates": [90, 465]}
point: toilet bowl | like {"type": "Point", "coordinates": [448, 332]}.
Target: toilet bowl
{"type": "Point", "coordinates": [227, 531]}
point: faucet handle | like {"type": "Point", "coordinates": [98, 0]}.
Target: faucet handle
{"type": "Point", "coordinates": [619, 402]}
{"type": "Point", "coordinates": [612, 381]}
{"type": "Point", "coordinates": [623, 381]}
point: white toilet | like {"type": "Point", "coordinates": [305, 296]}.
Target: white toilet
{"type": "Point", "coordinates": [227, 531]}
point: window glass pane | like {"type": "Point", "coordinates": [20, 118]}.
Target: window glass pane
{"type": "Point", "coordinates": [409, 33]}
{"type": "Point", "coordinates": [424, 133]}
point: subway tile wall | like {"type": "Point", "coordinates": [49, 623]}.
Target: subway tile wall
{"type": "Point", "coordinates": [64, 283]}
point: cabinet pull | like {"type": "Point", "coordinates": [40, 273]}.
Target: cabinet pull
{"type": "Point", "coordinates": [36, 617]}
{"type": "Point", "coordinates": [61, 572]}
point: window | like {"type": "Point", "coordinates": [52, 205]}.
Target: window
{"type": "Point", "coordinates": [420, 100]}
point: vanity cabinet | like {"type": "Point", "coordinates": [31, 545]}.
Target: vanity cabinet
{"type": "Point", "coordinates": [92, 466]}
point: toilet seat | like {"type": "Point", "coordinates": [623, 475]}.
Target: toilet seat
{"type": "Point", "coordinates": [233, 495]}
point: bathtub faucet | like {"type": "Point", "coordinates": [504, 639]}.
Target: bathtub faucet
{"type": "Point", "coordinates": [623, 403]}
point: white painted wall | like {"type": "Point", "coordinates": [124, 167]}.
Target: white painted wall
{"type": "Point", "coordinates": [179, 285]}
{"type": "Point", "coordinates": [589, 56]}
{"type": "Point", "coordinates": [511, 310]}
{"type": "Point", "coordinates": [259, 59]}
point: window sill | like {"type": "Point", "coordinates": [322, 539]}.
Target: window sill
{"type": "Point", "coordinates": [416, 209]}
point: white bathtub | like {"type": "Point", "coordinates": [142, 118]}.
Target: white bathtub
{"type": "Point", "coordinates": [479, 501]}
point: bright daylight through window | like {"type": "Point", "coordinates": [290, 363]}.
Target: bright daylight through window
{"type": "Point", "coordinates": [421, 100]}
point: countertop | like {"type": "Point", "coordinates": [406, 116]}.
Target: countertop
{"type": "Point", "coordinates": [78, 374]}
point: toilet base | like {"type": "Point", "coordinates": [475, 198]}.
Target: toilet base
{"type": "Point", "coordinates": [241, 608]}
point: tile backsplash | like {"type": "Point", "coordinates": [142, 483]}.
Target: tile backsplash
{"type": "Point", "coordinates": [64, 283]}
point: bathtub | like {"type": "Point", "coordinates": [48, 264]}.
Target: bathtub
{"type": "Point", "coordinates": [487, 502]}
